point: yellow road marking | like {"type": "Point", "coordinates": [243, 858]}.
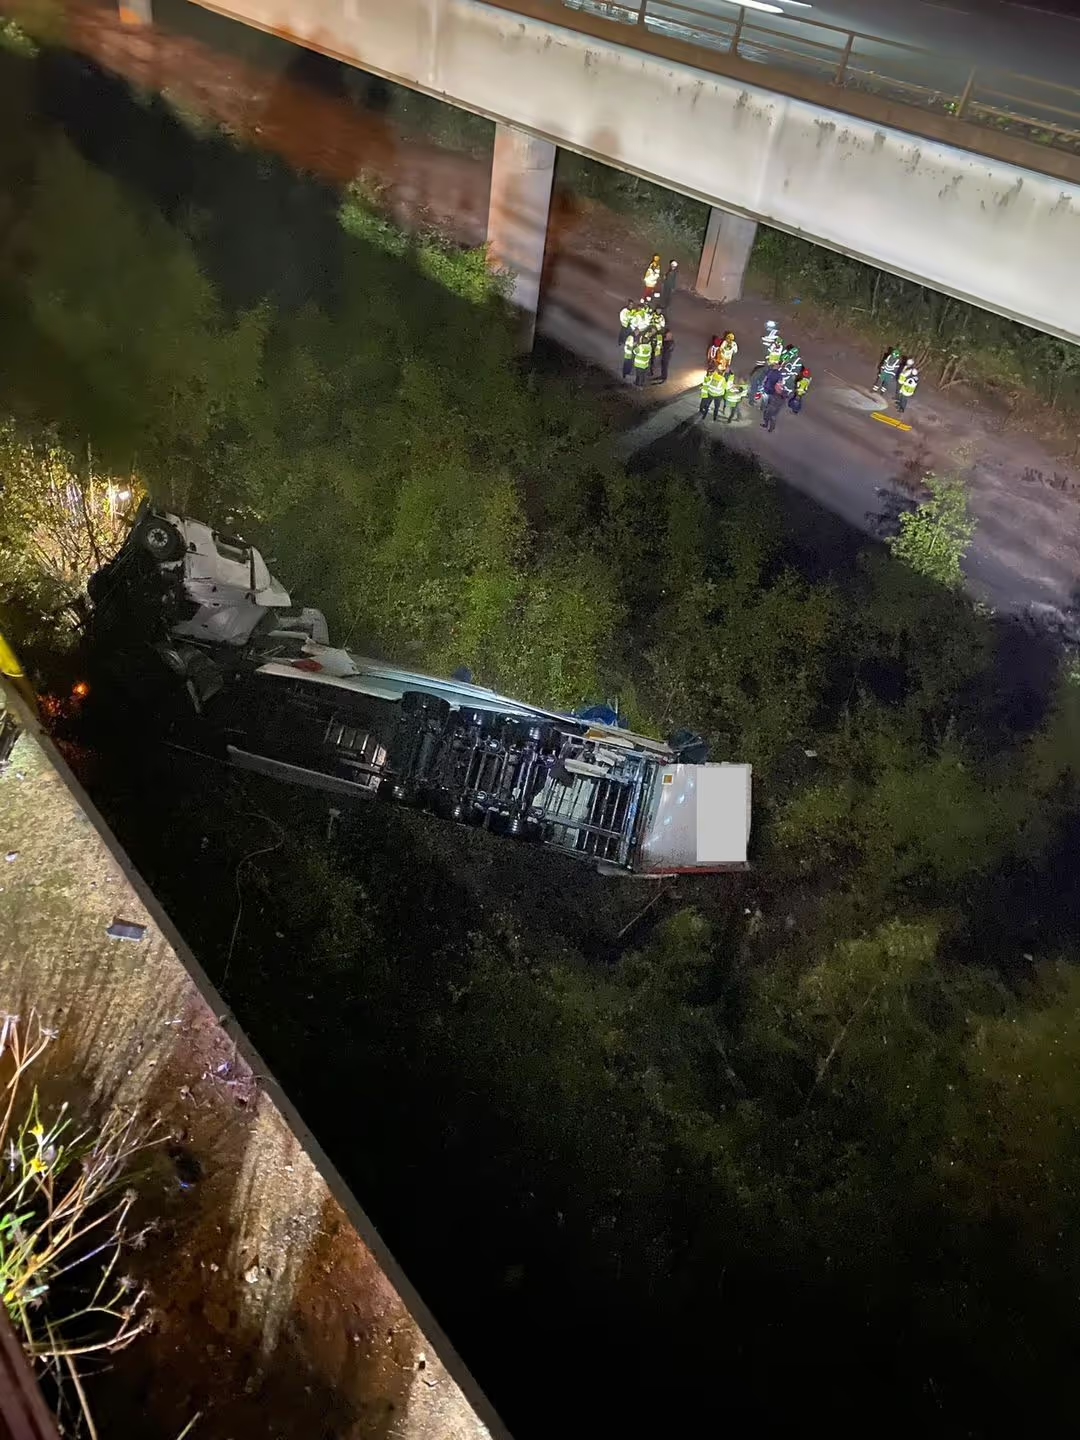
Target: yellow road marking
{"type": "Point", "coordinates": [888, 420]}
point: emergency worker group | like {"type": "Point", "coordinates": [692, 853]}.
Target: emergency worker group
{"type": "Point", "coordinates": [647, 341]}
{"type": "Point", "coordinates": [777, 381]}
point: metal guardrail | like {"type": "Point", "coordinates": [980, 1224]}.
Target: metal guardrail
{"type": "Point", "coordinates": [1021, 105]}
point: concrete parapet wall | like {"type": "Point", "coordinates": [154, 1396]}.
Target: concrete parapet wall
{"type": "Point", "coordinates": [981, 229]}
{"type": "Point", "coordinates": [281, 1311]}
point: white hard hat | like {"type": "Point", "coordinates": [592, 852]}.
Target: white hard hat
{"type": "Point", "coordinates": [770, 324]}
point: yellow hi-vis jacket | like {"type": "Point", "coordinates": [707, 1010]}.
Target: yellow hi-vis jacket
{"type": "Point", "coordinates": [11, 668]}
{"type": "Point", "coordinates": [642, 355]}
{"type": "Point", "coordinates": [714, 384]}
{"type": "Point", "coordinates": [736, 390]}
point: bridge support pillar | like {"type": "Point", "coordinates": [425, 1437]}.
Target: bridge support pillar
{"type": "Point", "coordinates": [136, 12]}
{"type": "Point", "coordinates": [522, 170]}
{"type": "Point", "coordinates": [728, 242]}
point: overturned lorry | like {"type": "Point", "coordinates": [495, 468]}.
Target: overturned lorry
{"type": "Point", "coordinates": [280, 700]}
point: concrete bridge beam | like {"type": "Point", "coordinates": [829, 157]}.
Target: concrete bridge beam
{"type": "Point", "coordinates": [522, 170]}
{"type": "Point", "coordinates": [977, 227]}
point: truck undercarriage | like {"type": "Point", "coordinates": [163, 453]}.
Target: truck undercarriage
{"type": "Point", "coordinates": [276, 698]}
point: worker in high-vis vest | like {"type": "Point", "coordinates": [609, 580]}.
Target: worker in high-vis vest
{"type": "Point", "coordinates": [657, 349]}
{"type": "Point", "coordinates": [906, 384]}
{"type": "Point", "coordinates": [728, 350]}
{"type": "Point", "coordinates": [652, 277]}
{"type": "Point", "coordinates": [888, 370]}
{"type": "Point", "coordinates": [14, 674]}
{"type": "Point", "coordinates": [628, 354]}
{"type": "Point", "coordinates": [802, 384]}
{"type": "Point", "coordinates": [642, 358]}
{"type": "Point", "coordinates": [624, 320]}
{"type": "Point", "coordinates": [774, 345]}
{"type": "Point", "coordinates": [735, 392]}
{"type": "Point", "coordinates": [706, 397]}
{"type": "Point", "coordinates": [713, 390]}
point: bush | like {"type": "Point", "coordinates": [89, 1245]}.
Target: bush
{"type": "Point", "coordinates": [935, 537]}
{"type": "Point", "coordinates": [65, 1206]}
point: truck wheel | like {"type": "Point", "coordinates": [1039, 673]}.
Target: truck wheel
{"type": "Point", "coordinates": [431, 707]}
{"type": "Point", "coordinates": [525, 733]}
{"type": "Point", "coordinates": [160, 539]}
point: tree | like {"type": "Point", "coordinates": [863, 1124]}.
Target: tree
{"type": "Point", "coordinates": [934, 539]}
{"type": "Point", "coordinates": [118, 293]}
{"type": "Point", "coordinates": [60, 520]}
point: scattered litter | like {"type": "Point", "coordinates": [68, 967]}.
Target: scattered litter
{"type": "Point", "coordinates": [11, 856]}
{"type": "Point", "coordinates": [252, 1275]}
{"type": "Point", "coordinates": [125, 930]}
{"type": "Point", "coordinates": [810, 754]}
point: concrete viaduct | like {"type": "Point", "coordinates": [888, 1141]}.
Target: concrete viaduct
{"type": "Point", "coordinates": [982, 215]}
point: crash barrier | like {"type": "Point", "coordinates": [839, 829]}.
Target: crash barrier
{"type": "Point", "coordinates": [284, 1262]}
{"type": "Point", "coordinates": [1022, 105]}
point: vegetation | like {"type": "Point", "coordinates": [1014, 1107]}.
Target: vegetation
{"type": "Point", "coordinates": [65, 1227]}
{"type": "Point", "coordinates": [818, 1123]}
{"type": "Point", "coordinates": [935, 536]}
{"type": "Point", "coordinates": [61, 521]}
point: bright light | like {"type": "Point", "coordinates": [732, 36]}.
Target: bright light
{"type": "Point", "coordinates": [80, 690]}
{"type": "Point", "coordinates": [755, 5]}
{"type": "Point", "coordinates": [123, 495]}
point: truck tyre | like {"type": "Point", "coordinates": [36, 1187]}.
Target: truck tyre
{"type": "Point", "coordinates": [160, 539]}
{"type": "Point", "coordinates": [431, 707]}
{"type": "Point", "coordinates": [525, 734]}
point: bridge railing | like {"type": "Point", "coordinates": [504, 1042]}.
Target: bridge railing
{"type": "Point", "coordinates": [1022, 105]}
